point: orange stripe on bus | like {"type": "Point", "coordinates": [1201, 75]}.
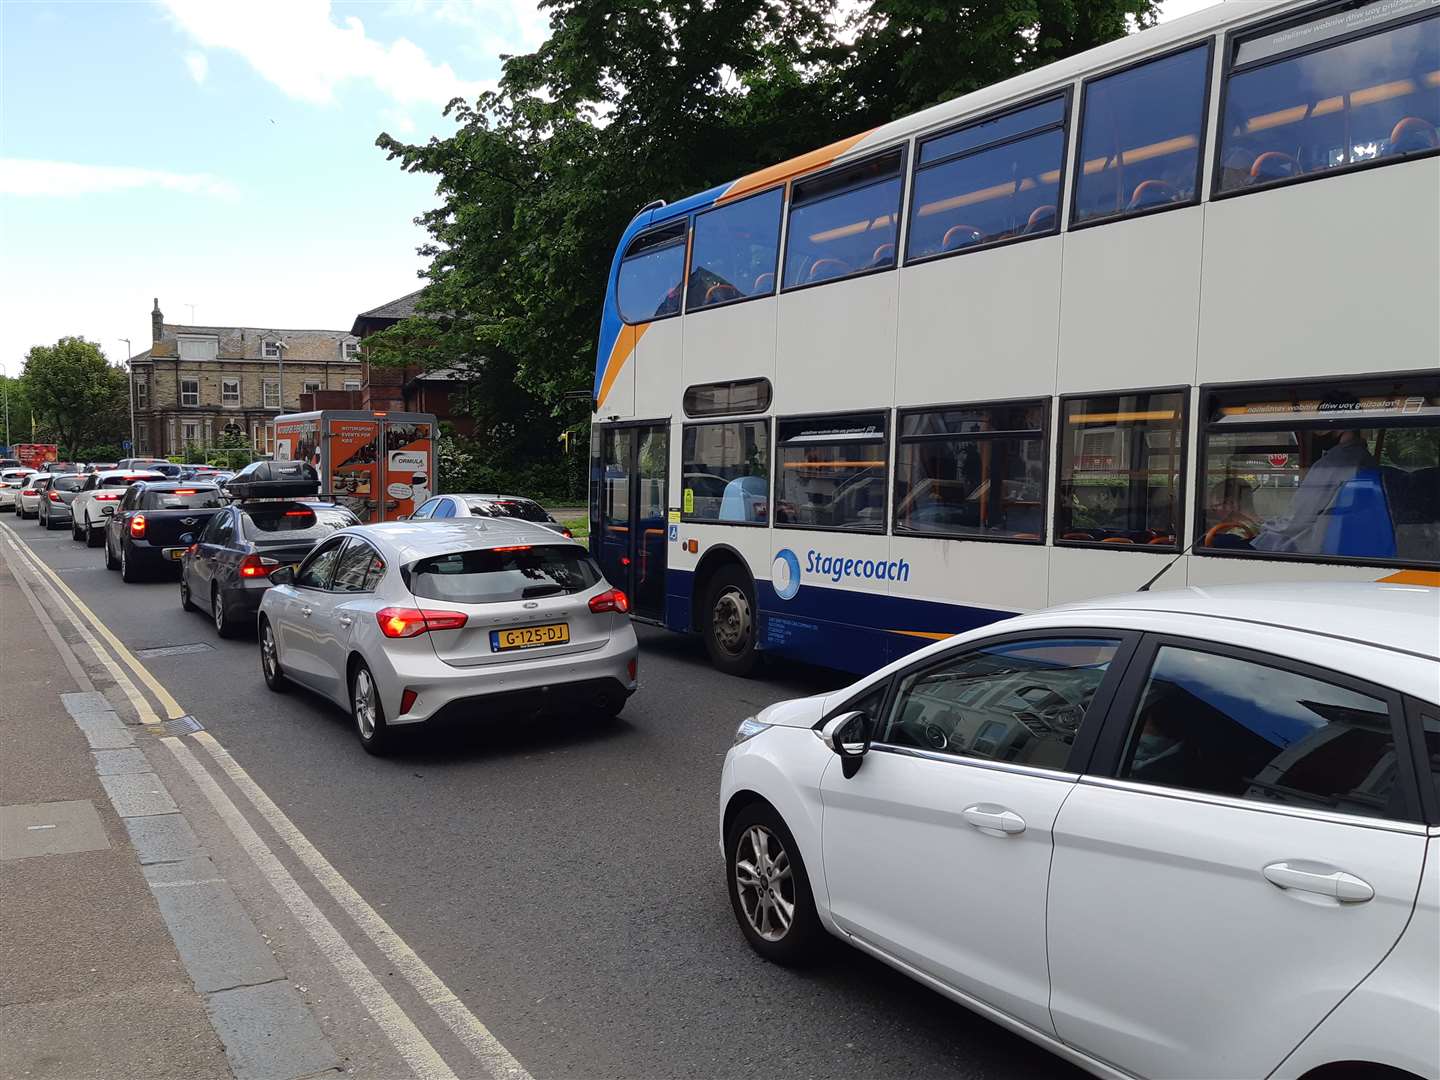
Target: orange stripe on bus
{"type": "Point", "coordinates": [1414, 577]}
{"type": "Point", "coordinates": [923, 633]}
{"type": "Point", "coordinates": [773, 174]}
{"type": "Point", "coordinates": [620, 352]}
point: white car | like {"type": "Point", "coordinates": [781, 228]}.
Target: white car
{"type": "Point", "coordinates": [31, 494]}
{"type": "Point", "coordinates": [411, 623]}
{"type": "Point", "coordinates": [1170, 834]}
{"type": "Point", "coordinates": [11, 483]}
{"type": "Point", "coordinates": [97, 499]}
{"type": "Point", "coordinates": [466, 505]}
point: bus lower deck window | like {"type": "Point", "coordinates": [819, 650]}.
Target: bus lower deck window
{"type": "Point", "coordinates": [1344, 471]}
{"type": "Point", "coordinates": [1121, 462]}
{"type": "Point", "coordinates": [726, 472]}
{"type": "Point", "coordinates": [832, 472]}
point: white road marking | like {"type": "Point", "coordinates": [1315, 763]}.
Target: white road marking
{"type": "Point", "coordinates": [498, 1061]}
{"type": "Point", "coordinates": [33, 828]}
{"type": "Point", "coordinates": [162, 695]}
{"type": "Point", "coordinates": [407, 1039]}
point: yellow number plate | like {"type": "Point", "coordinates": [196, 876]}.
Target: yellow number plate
{"type": "Point", "coordinates": [529, 637]}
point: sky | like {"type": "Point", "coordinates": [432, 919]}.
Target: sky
{"type": "Point", "coordinates": [219, 155]}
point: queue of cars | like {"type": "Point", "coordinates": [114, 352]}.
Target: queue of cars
{"type": "Point", "coordinates": [1119, 828]}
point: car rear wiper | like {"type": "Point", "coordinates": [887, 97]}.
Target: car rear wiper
{"type": "Point", "coordinates": [549, 589]}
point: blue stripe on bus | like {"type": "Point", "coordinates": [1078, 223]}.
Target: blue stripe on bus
{"type": "Point", "coordinates": [838, 628]}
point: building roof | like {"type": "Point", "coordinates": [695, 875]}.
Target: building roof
{"type": "Point", "coordinates": [378, 318]}
{"type": "Point", "coordinates": [247, 342]}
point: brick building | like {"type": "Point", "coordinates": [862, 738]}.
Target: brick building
{"type": "Point", "coordinates": [408, 389]}
{"type": "Point", "coordinates": [197, 383]}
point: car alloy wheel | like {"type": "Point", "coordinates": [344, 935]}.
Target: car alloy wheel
{"type": "Point", "coordinates": [364, 702]}
{"type": "Point", "coordinates": [186, 604]}
{"type": "Point", "coordinates": [270, 658]}
{"type": "Point", "coordinates": [223, 626]}
{"type": "Point", "coordinates": [765, 883]}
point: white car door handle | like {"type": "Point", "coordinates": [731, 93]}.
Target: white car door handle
{"type": "Point", "coordinates": [1324, 880]}
{"type": "Point", "coordinates": [994, 818]}
{"type": "Point", "coordinates": [345, 620]}
{"type": "Point", "coordinates": [306, 611]}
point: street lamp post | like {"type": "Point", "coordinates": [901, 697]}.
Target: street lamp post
{"type": "Point", "coordinates": [130, 379]}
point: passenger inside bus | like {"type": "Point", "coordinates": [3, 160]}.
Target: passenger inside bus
{"type": "Point", "coordinates": [1344, 456]}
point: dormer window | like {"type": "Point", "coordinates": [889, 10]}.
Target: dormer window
{"type": "Point", "coordinates": [349, 350]}
{"type": "Point", "coordinates": [270, 350]}
{"type": "Point", "coordinates": [198, 348]}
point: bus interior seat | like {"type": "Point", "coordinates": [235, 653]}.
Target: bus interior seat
{"type": "Point", "coordinates": [1413, 135]}
{"type": "Point", "coordinates": [884, 256]}
{"type": "Point", "coordinates": [1042, 219]}
{"type": "Point", "coordinates": [1274, 165]}
{"type": "Point", "coordinates": [1414, 500]}
{"type": "Point", "coordinates": [1117, 540]}
{"type": "Point", "coordinates": [1359, 519]}
{"type": "Point", "coordinates": [764, 284]}
{"type": "Point", "coordinates": [1150, 193]}
{"type": "Point", "coordinates": [825, 269]}
{"type": "Point", "coordinates": [720, 292]}
{"type": "Point", "coordinates": [958, 236]}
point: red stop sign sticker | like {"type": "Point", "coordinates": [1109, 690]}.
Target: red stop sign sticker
{"type": "Point", "coordinates": [1279, 460]}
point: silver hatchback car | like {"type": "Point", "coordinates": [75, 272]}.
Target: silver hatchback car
{"type": "Point", "coordinates": [406, 623]}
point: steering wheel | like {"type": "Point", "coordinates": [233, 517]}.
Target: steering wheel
{"type": "Point", "coordinates": [1245, 528]}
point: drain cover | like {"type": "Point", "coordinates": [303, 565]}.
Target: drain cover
{"type": "Point", "coordinates": [174, 650]}
{"type": "Point", "coordinates": [184, 725]}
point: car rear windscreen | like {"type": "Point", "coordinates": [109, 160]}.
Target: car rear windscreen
{"type": "Point", "coordinates": [295, 522]}
{"type": "Point", "coordinates": [523, 509]}
{"type": "Point", "coordinates": [67, 482]}
{"type": "Point", "coordinates": [126, 481]}
{"type": "Point", "coordinates": [499, 574]}
{"type": "Point", "coordinates": [184, 499]}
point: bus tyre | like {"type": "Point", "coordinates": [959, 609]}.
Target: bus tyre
{"type": "Point", "coordinates": [730, 621]}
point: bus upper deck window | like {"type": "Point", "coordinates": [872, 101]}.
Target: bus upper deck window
{"type": "Point", "coordinates": [1310, 97]}
{"type": "Point", "coordinates": [735, 250]}
{"type": "Point", "coordinates": [844, 222]}
{"type": "Point", "coordinates": [992, 180]}
{"type": "Point", "coordinates": [1140, 136]}
{"type": "Point", "coordinates": [1121, 466]}
{"type": "Point", "coordinates": [1339, 471]}
{"type": "Point", "coordinates": [652, 273]}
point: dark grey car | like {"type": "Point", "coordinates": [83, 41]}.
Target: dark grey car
{"type": "Point", "coordinates": [55, 506]}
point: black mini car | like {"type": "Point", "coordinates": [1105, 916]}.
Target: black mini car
{"type": "Point", "coordinates": [155, 514]}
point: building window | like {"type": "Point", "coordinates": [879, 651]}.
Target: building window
{"type": "Point", "coordinates": [352, 384]}
{"type": "Point", "coordinates": [1140, 137]}
{"type": "Point", "coordinates": [844, 222]}
{"type": "Point", "coordinates": [198, 348]}
{"type": "Point", "coordinates": [734, 252]}
{"type": "Point", "coordinates": [995, 180]}
{"type": "Point", "coordinates": [652, 273]}
{"type": "Point", "coordinates": [230, 392]}
{"type": "Point", "coordinates": [1346, 101]}
{"type": "Point", "coordinates": [265, 438]}
{"type": "Point", "coordinates": [190, 433]}
{"type": "Point", "coordinates": [832, 472]}
{"type": "Point", "coordinates": [189, 391]}
{"type": "Point", "coordinates": [726, 470]}
{"type": "Point", "coordinates": [349, 350]}
{"type": "Point", "coordinates": [270, 350]}
{"type": "Point", "coordinates": [142, 390]}
{"type": "Point", "coordinates": [311, 386]}
{"type": "Point", "coordinates": [142, 443]}
{"type": "Point", "coordinates": [1335, 470]}
{"type": "Point", "coordinates": [972, 471]}
{"type": "Point", "coordinates": [271, 394]}
{"type": "Point", "coordinates": [728, 398]}
{"type": "Point", "coordinates": [1121, 463]}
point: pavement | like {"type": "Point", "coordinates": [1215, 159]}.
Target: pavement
{"type": "Point", "coordinates": [559, 881]}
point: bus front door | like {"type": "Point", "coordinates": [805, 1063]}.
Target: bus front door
{"type": "Point", "coordinates": [632, 542]}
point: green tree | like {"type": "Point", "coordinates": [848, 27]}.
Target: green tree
{"type": "Point", "coordinates": [628, 102]}
{"type": "Point", "coordinates": [79, 397]}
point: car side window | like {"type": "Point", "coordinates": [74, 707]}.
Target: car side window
{"type": "Point", "coordinates": [316, 570]}
{"type": "Point", "coordinates": [132, 497]}
{"type": "Point", "coordinates": [1232, 726]}
{"type": "Point", "coordinates": [1020, 701]}
{"type": "Point", "coordinates": [356, 571]}
{"type": "Point", "coordinates": [425, 511]}
{"type": "Point", "coordinates": [215, 529]}
{"type": "Point", "coordinates": [1430, 728]}
{"type": "Point", "coordinates": [445, 508]}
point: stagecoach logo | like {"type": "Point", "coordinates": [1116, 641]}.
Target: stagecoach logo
{"type": "Point", "coordinates": [785, 574]}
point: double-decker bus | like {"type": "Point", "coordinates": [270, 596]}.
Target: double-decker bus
{"type": "Point", "coordinates": [1175, 300]}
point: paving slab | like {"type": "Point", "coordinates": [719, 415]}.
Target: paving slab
{"type": "Point", "coordinates": [120, 762]}
{"type": "Point", "coordinates": [269, 1033]}
{"type": "Point", "coordinates": [217, 942]}
{"type": "Point", "coordinates": [54, 828]}
{"type": "Point", "coordinates": [105, 731]}
{"type": "Point", "coordinates": [162, 838]}
{"type": "Point", "coordinates": [138, 795]}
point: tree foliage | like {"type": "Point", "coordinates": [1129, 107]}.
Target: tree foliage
{"type": "Point", "coordinates": [79, 397]}
{"type": "Point", "coordinates": [631, 101]}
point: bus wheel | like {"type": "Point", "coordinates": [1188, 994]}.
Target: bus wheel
{"type": "Point", "coordinates": [730, 621]}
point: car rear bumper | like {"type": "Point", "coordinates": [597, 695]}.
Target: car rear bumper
{"type": "Point", "coordinates": [57, 511]}
{"type": "Point", "coordinates": [526, 686]}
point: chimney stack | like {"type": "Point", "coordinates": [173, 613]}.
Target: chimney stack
{"type": "Point", "coordinates": [157, 321]}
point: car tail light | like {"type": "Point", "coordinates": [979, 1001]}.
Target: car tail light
{"type": "Point", "coordinates": [566, 533]}
{"type": "Point", "coordinates": [513, 547]}
{"type": "Point", "coordinates": [53, 496]}
{"type": "Point", "coordinates": [407, 699]}
{"type": "Point", "coordinates": [108, 496]}
{"type": "Point", "coordinates": [193, 549]}
{"type": "Point", "coordinates": [184, 491]}
{"type": "Point", "coordinates": [631, 668]}
{"type": "Point", "coordinates": [253, 566]}
{"type": "Point", "coordinates": [401, 622]}
{"type": "Point", "coordinates": [137, 526]}
{"type": "Point", "coordinates": [28, 491]}
{"type": "Point", "coordinates": [610, 600]}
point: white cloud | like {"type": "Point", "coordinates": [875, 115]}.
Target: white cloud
{"type": "Point", "coordinates": [198, 65]}
{"type": "Point", "coordinates": [21, 176]}
{"type": "Point", "coordinates": [397, 121]}
{"type": "Point", "coordinates": [297, 45]}
{"type": "Point", "coordinates": [496, 26]}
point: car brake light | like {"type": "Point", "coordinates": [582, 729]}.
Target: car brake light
{"type": "Point", "coordinates": [253, 566]}
{"type": "Point", "coordinates": [610, 600]}
{"type": "Point", "coordinates": [107, 496]}
{"type": "Point", "coordinates": [407, 699]}
{"type": "Point", "coordinates": [631, 668]}
{"type": "Point", "coordinates": [398, 622]}
{"type": "Point", "coordinates": [137, 526]}
{"type": "Point", "coordinates": [513, 547]}
{"type": "Point", "coordinates": [53, 496]}
{"type": "Point", "coordinates": [184, 491]}
{"type": "Point", "coordinates": [566, 533]}
{"type": "Point", "coordinates": [299, 513]}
